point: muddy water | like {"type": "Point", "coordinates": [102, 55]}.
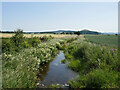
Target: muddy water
{"type": "Point", "coordinates": [55, 72]}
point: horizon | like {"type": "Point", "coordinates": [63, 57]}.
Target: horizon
{"type": "Point", "coordinates": [57, 30]}
{"type": "Point", "coordinates": [52, 16]}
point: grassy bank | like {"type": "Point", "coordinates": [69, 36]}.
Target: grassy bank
{"type": "Point", "coordinates": [98, 66]}
{"type": "Point", "coordinates": [19, 69]}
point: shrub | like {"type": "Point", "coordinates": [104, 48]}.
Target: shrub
{"type": "Point", "coordinates": [18, 39]}
{"type": "Point", "coordinates": [74, 65]}
{"type": "Point", "coordinates": [7, 45]}
{"type": "Point", "coordinates": [25, 44]}
{"type": "Point", "coordinates": [45, 38]}
{"type": "Point", "coordinates": [71, 49]}
{"type": "Point", "coordinates": [70, 40]}
{"type": "Point", "coordinates": [20, 69]}
{"type": "Point", "coordinates": [98, 66]}
{"type": "Point", "coordinates": [97, 79]}
{"type": "Point", "coordinates": [80, 52]}
{"type": "Point", "coordinates": [63, 61]}
{"type": "Point", "coordinates": [34, 41]}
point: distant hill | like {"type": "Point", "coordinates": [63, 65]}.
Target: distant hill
{"type": "Point", "coordinates": [69, 31]}
{"type": "Point", "coordinates": [110, 33]}
{"type": "Point", "coordinates": [60, 32]}
{"type": "Point", "coordinates": [89, 32]}
{"type": "Point", "coordinates": [85, 30]}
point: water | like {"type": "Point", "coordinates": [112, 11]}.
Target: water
{"type": "Point", "coordinates": [55, 72]}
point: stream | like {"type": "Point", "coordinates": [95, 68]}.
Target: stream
{"type": "Point", "coordinates": [55, 72]}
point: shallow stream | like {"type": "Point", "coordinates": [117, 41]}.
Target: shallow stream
{"type": "Point", "coordinates": [55, 72]}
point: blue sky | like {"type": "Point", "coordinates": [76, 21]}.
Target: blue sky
{"type": "Point", "coordinates": [46, 16]}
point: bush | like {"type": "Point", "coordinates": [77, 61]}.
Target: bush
{"type": "Point", "coordinates": [7, 45]}
{"type": "Point", "coordinates": [97, 79]}
{"type": "Point", "coordinates": [102, 79]}
{"type": "Point", "coordinates": [63, 61]}
{"type": "Point", "coordinates": [45, 38]}
{"type": "Point", "coordinates": [20, 69]}
{"type": "Point", "coordinates": [18, 42]}
{"type": "Point", "coordinates": [18, 39]}
{"type": "Point", "coordinates": [80, 52]}
{"type": "Point", "coordinates": [74, 65]}
{"type": "Point", "coordinates": [93, 56]}
{"type": "Point", "coordinates": [34, 41]}
{"type": "Point", "coordinates": [25, 44]}
{"type": "Point", "coordinates": [70, 40]}
{"type": "Point", "coordinates": [98, 66]}
{"type": "Point", "coordinates": [71, 49]}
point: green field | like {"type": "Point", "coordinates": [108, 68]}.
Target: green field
{"type": "Point", "coordinates": [108, 40]}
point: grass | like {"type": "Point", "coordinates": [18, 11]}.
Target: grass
{"type": "Point", "coordinates": [97, 78]}
{"type": "Point", "coordinates": [20, 67]}
{"type": "Point", "coordinates": [97, 65]}
{"type": "Point", "coordinates": [108, 40]}
{"type": "Point", "coordinates": [6, 35]}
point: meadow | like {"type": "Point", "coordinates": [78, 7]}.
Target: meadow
{"type": "Point", "coordinates": [8, 35]}
{"type": "Point", "coordinates": [92, 57]}
{"type": "Point", "coordinates": [108, 40]}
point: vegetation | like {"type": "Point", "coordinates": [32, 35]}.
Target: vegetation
{"type": "Point", "coordinates": [58, 32]}
{"type": "Point", "coordinates": [78, 33]}
{"type": "Point", "coordinates": [18, 42]}
{"type": "Point", "coordinates": [22, 57]}
{"type": "Point", "coordinates": [95, 58]}
{"type": "Point", "coordinates": [98, 66]}
{"type": "Point", "coordinates": [19, 69]}
{"type": "Point", "coordinates": [56, 86]}
{"type": "Point", "coordinates": [108, 40]}
{"type": "Point", "coordinates": [97, 78]}
{"type": "Point", "coordinates": [63, 61]}
{"type": "Point", "coordinates": [89, 32]}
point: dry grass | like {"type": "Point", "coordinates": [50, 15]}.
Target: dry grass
{"type": "Point", "coordinates": [5, 35]}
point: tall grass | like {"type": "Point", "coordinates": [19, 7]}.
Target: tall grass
{"type": "Point", "coordinates": [97, 65]}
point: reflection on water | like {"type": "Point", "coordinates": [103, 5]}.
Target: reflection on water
{"type": "Point", "coordinates": [55, 72]}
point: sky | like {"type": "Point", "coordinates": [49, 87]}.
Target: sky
{"type": "Point", "coordinates": [50, 16]}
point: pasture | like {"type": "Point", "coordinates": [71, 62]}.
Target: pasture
{"type": "Point", "coordinates": [108, 40]}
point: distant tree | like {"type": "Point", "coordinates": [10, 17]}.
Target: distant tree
{"type": "Point", "coordinates": [66, 32]}
{"type": "Point", "coordinates": [63, 32]}
{"type": "Point", "coordinates": [78, 33]}
{"type": "Point", "coordinates": [71, 33]}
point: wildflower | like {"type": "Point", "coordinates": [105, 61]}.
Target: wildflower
{"type": "Point", "coordinates": [38, 83]}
